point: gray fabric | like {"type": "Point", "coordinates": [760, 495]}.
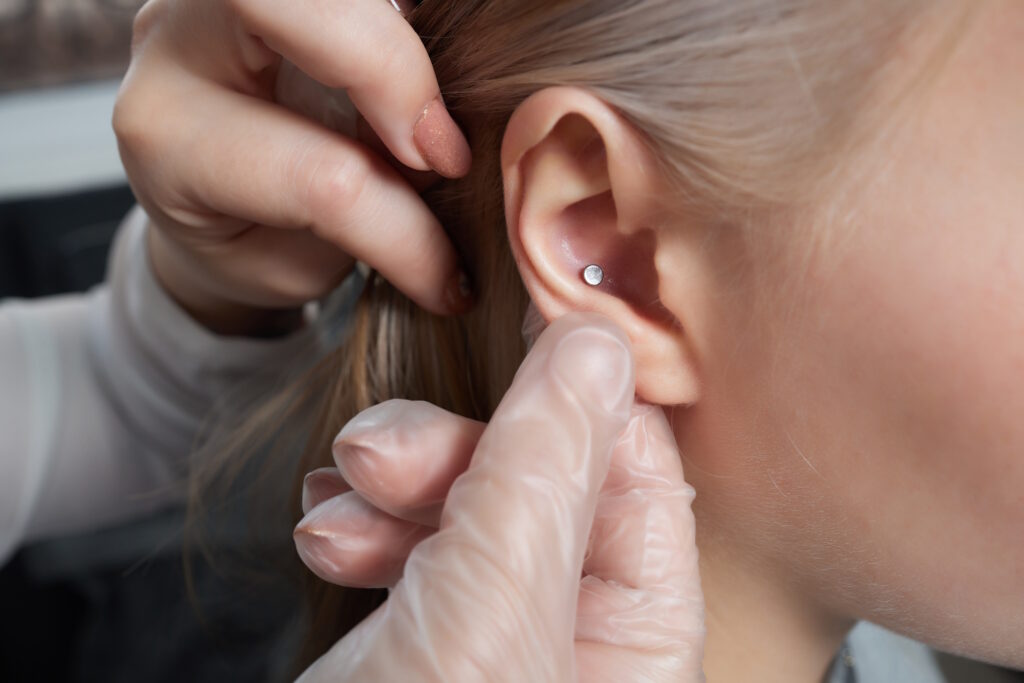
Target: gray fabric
{"type": "Point", "coordinates": [872, 654]}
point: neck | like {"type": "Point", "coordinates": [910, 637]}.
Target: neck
{"type": "Point", "coordinates": [760, 628]}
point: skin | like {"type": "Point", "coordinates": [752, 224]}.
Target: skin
{"type": "Point", "coordinates": [871, 465]}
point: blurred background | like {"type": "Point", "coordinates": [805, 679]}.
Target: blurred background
{"type": "Point", "coordinates": [112, 606]}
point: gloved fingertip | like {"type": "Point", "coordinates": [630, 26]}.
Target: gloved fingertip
{"type": "Point", "coordinates": [320, 485]}
{"type": "Point", "coordinates": [335, 540]}
{"type": "Point", "coordinates": [314, 546]}
{"type": "Point", "coordinates": [594, 359]}
{"type": "Point", "coordinates": [355, 462]}
{"type": "Point", "coordinates": [373, 419]}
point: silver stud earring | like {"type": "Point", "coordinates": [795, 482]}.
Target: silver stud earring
{"type": "Point", "coordinates": [593, 275]}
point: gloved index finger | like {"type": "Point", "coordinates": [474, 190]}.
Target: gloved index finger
{"type": "Point", "coordinates": [514, 528]}
{"type": "Point", "coordinates": [369, 49]}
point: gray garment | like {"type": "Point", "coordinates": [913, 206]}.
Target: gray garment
{"type": "Point", "coordinates": [872, 654]}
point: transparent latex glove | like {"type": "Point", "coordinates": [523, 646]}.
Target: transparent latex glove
{"type": "Point", "coordinates": [237, 126]}
{"type": "Point", "coordinates": [555, 543]}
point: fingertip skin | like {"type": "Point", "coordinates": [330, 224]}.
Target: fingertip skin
{"type": "Point", "coordinates": [320, 485]}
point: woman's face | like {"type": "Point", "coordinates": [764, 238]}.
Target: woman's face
{"type": "Point", "coordinates": [866, 440]}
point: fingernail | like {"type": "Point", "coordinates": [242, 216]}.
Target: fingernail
{"type": "Point", "coordinates": [440, 142]}
{"type": "Point", "coordinates": [459, 294]}
{"type": "Point", "coordinates": [404, 6]}
{"type": "Point", "coordinates": [596, 365]}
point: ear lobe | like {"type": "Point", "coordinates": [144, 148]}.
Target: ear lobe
{"type": "Point", "coordinates": [581, 189]}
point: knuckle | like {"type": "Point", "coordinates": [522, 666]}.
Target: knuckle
{"type": "Point", "coordinates": [134, 121]}
{"type": "Point", "coordinates": [345, 182]}
{"type": "Point", "coordinates": [125, 119]}
{"type": "Point", "coordinates": [146, 20]}
{"type": "Point", "coordinates": [338, 189]}
{"type": "Point", "coordinates": [254, 18]}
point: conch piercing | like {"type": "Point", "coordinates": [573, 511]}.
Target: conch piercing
{"type": "Point", "coordinates": [593, 275]}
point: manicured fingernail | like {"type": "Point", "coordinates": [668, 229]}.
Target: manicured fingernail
{"type": "Point", "coordinates": [404, 6]}
{"type": "Point", "coordinates": [440, 141]}
{"type": "Point", "coordinates": [459, 295]}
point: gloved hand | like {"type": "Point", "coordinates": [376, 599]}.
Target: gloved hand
{"type": "Point", "coordinates": [483, 532]}
{"type": "Point", "coordinates": [258, 208]}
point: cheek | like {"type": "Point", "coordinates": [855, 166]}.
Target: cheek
{"type": "Point", "coordinates": [904, 377]}
{"type": "Point", "coordinates": [869, 440]}
{"type": "Point", "coordinates": [905, 372]}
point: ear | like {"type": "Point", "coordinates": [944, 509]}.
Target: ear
{"type": "Point", "coordinates": [582, 188]}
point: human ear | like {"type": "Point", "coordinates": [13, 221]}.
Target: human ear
{"type": "Point", "coordinates": [582, 188]}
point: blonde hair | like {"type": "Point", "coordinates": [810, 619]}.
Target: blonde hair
{"type": "Point", "coordinates": [750, 106]}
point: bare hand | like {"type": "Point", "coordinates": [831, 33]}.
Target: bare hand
{"type": "Point", "coordinates": [258, 207]}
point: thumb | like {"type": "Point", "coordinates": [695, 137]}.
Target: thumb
{"type": "Point", "coordinates": [493, 594]}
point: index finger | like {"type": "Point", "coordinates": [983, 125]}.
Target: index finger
{"type": "Point", "coordinates": [369, 49]}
